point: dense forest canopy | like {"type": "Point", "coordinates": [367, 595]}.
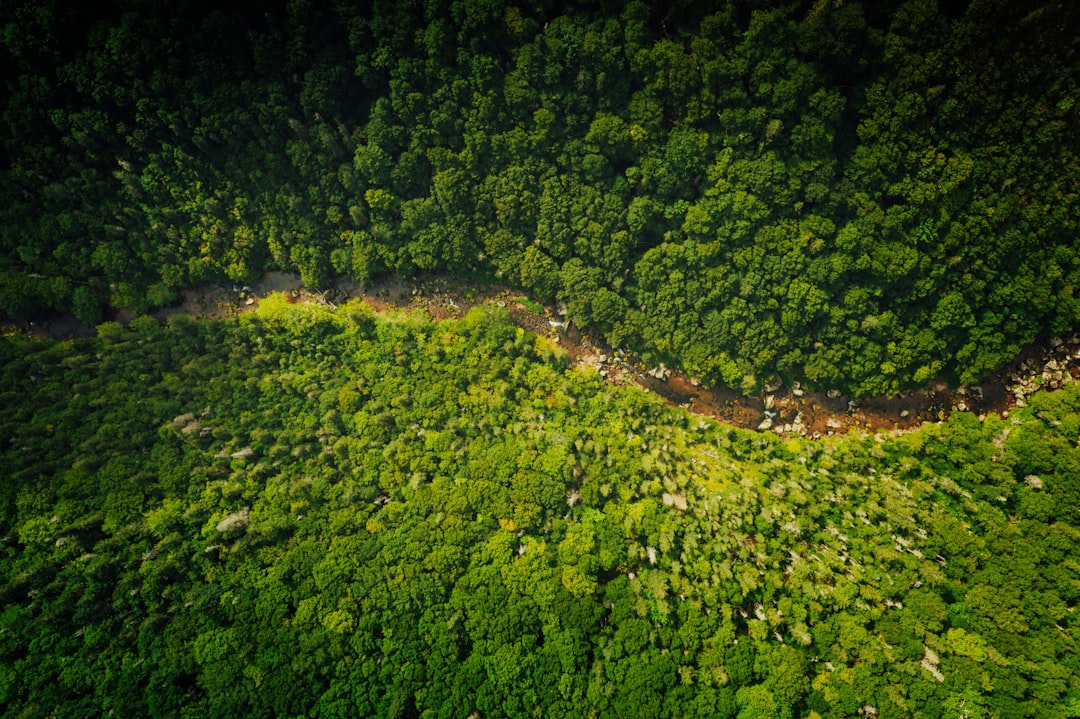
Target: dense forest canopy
{"type": "Point", "coordinates": [859, 195]}
{"type": "Point", "coordinates": [321, 512]}
{"type": "Point", "coordinates": [308, 513]}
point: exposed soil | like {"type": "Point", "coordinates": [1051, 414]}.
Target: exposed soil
{"type": "Point", "coordinates": [784, 410]}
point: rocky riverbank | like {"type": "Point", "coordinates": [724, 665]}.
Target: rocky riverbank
{"type": "Point", "coordinates": [785, 410]}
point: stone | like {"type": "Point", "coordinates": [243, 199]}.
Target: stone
{"type": "Point", "coordinates": [833, 393]}
{"type": "Point", "coordinates": [766, 424]}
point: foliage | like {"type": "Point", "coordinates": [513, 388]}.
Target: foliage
{"type": "Point", "coordinates": [862, 195]}
{"type": "Point", "coordinates": [303, 512]}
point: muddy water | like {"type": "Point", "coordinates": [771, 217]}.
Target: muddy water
{"type": "Point", "coordinates": [812, 414]}
{"type": "Point", "coordinates": [789, 411]}
{"type": "Point", "coordinates": [816, 414]}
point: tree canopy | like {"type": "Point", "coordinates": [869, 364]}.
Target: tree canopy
{"type": "Point", "coordinates": [302, 512]}
{"type": "Point", "coordinates": [859, 195]}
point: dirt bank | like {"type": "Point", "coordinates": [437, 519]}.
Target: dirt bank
{"type": "Point", "coordinates": [785, 410]}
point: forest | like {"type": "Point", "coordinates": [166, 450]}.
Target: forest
{"type": "Point", "coordinates": [861, 196]}
{"type": "Point", "coordinates": [303, 512]}
{"type": "Point", "coordinates": [312, 510]}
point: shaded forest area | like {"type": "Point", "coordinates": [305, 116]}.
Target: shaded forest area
{"type": "Point", "coordinates": [858, 196]}
{"type": "Point", "coordinates": [303, 512]}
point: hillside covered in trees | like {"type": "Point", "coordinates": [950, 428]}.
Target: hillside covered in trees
{"type": "Point", "coordinates": [306, 511]}
{"type": "Point", "coordinates": [859, 195]}
{"type": "Point", "coordinates": [303, 512]}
